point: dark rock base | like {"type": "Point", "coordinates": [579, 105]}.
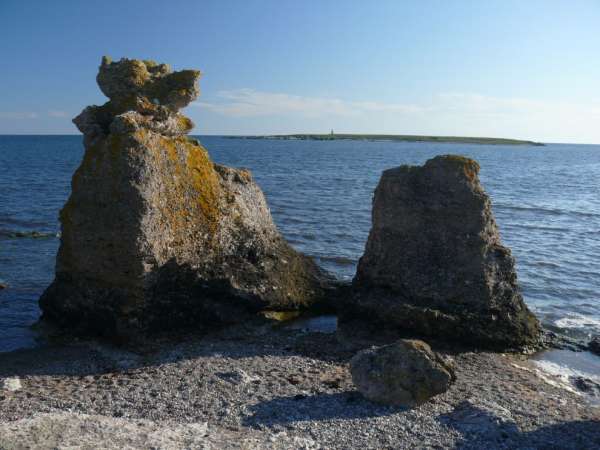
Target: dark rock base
{"type": "Point", "coordinates": [496, 330]}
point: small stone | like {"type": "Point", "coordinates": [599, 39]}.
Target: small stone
{"type": "Point", "coordinates": [594, 345]}
{"type": "Point", "coordinates": [238, 376]}
{"type": "Point", "coordinates": [586, 385]}
{"type": "Point", "coordinates": [406, 373]}
{"type": "Point", "coordinates": [3, 286]}
{"type": "Point", "coordinates": [10, 384]}
{"type": "Point", "coordinates": [294, 379]}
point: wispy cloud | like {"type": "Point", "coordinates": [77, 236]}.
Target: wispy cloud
{"type": "Point", "coordinates": [57, 114]}
{"type": "Point", "coordinates": [498, 106]}
{"type": "Point", "coordinates": [17, 115]}
{"type": "Point", "coordinates": [252, 103]}
{"type": "Point", "coordinates": [13, 115]}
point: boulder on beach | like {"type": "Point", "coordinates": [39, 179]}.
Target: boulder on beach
{"type": "Point", "coordinates": [10, 384]}
{"type": "Point", "coordinates": [434, 263]}
{"type": "Point", "coordinates": [155, 236]}
{"type": "Point", "coordinates": [594, 345]}
{"type": "Point", "coordinates": [406, 373]}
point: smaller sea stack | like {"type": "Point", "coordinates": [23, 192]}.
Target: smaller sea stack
{"type": "Point", "coordinates": [155, 236]}
{"type": "Point", "coordinates": [434, 263]}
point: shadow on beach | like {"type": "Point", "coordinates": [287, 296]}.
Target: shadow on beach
{"type": "Point", "coordinates": [318, 407]}
{"type": "Point", "coordinates": [317, 338]}
{"type": "Point", "coordinates": [483, 426]}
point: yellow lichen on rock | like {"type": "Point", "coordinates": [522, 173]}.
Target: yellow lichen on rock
{"type": "Point", "coordinates": [205, 181]}
{"type": "Point", "coordinates": [194, 179]}
{"type": "Point", "coordinates": [185, 123]}
{"type": "Point", "coordinates": [470, 166]}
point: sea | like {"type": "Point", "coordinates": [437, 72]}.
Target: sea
{"type": "Point", "coordinates": [546, 200]}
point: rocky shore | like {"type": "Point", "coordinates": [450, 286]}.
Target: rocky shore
{"type": "Point", "coordinates": [263, 386]}
{"type": "Point", "coordinates": [175, 276]}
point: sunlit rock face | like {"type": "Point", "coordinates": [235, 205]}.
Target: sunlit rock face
{"type": "Point", "coordinates": [434, 262]}
{"type": "Point", "coordinates": [157, 236]}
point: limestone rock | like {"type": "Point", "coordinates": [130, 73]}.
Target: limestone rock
{"type": "Point", "coordinates": [10, 384]}
{"type": "Point", "coordinates": [434, 262]}
{"type": "Point", "coordinates": [406, 373]}
{"type": "Point", "coordinates": [128, 79]}
{"type": "Point", "coordinates": [154, 234]}
{"type": "Point", "coordinates": [72, 430]}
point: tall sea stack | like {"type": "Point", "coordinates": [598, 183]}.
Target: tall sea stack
{"type": "Point", "coordinates": [434, 262]}
{"type": "Point", "coordinates": [154, 234]}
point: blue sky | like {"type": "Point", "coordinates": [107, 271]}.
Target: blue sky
{"type": "Point", "coordinates": [522, 69]}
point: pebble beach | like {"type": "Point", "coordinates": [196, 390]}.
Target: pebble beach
{"type": "Point", "coordinates": [264, 386]}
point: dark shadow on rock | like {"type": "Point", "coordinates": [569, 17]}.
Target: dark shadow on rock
{"type": "Point", "coordinates": [256, 336]}
{"type": "Point", "coordinates": [301, 408]}
{"type": "Point", "coordinates": [178, 301]}
{"type": "Point", "coordinates": [489, 425]}
{"type": "Point", "coordinates": [361, 333]}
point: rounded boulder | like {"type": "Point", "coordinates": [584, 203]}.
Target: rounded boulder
{"type": "Point", "coordinates": [406, 373]}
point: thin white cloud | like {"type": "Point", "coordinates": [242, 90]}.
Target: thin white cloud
{"type": "Point", "coordinates": [13, 115]}
{"type": "Point", "coordinates": [252, 103]}
{"type": "Point", "coordinates": [57, 114]}
{"type": "Point", "coordinates": [549, 121]}
{"type": "Point", "coordinates": [481, 104]}
{"type": "Point", "coordinates": [17, 115]}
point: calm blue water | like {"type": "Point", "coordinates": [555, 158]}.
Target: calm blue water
{"type": "Point", "coordinates": [546, 200]}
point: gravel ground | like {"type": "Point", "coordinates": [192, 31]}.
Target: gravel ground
{"type": "Point", "coordinates": [265, 387]}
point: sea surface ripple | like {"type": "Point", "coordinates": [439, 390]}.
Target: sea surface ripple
{"type": "Point", "coordinates": [546, 201]}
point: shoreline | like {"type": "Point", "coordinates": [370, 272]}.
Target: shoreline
{"type": "Point", "coordinates": [267, 386]}
{"type": "Point", "coordinates": [392, 138]}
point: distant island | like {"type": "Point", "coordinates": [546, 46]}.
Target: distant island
{"type": "Point", "coordinates": [391, 137]}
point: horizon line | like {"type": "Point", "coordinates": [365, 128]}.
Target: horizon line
{"type": "Point", "coordinates": [339, 134]}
